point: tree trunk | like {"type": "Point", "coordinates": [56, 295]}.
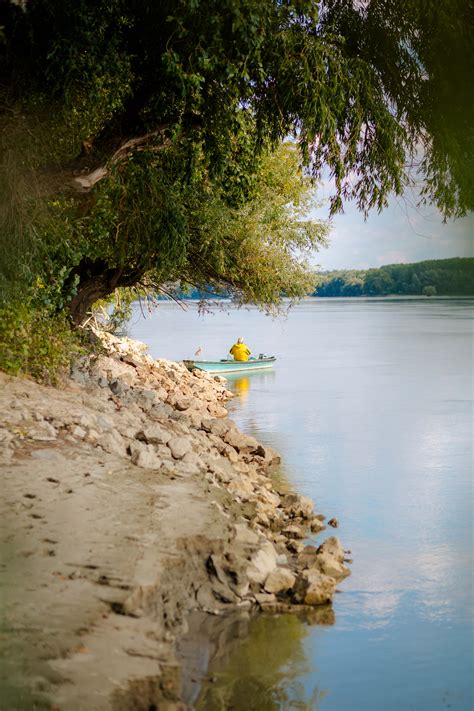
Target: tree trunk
{"type": "Point", "coordinates": [97, 281]}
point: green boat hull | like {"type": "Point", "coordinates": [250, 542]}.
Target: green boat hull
{"type": "Point", "coordinates": [230, 366]}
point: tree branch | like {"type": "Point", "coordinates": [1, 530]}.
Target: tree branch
{"type": "Point", "coordinates": [86, 182]}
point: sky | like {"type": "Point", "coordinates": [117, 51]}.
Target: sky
{"type": "Point", "coordinates": [401, 233]}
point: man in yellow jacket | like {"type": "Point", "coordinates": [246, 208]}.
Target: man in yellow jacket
{"type": "Point", "coordinates": [239, 350]}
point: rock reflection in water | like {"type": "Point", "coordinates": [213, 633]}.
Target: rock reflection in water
{"type": "Point", "coordinates": [252, 662]}
{"type": "Point", "coordinates": [150, 693]}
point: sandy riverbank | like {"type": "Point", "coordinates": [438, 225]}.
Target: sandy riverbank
{"type": "Point", "coordinates": [130, 499]}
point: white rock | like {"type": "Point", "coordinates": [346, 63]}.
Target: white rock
{"type": "Point", "coordinates": [268, 497]}
{"type": "Point", "coordinates": [179, 446]}
{"type": "Point", "coordinates": [144, 455]}
{"type": "Point", "coordinates": [330, 559]}
{"type": "Point", "coordinates": [240, 441]}
{"type": "Point", "coordinates": [188, 468]}
{"type": "Point", "coordinates": [161, 393]}
{"type": "Point", "coordinates": [118, 387]}
{"type": "Point", "coordinates": [86, 421]}
{"type": "Point", "coordinates": [143, 397]}
{"type": "Point", "coordinates": [294, 531]}
{"type": "Point", "coordinates": [195, 418]}
{"type": "Point", "coordinates": [243, 534]}
{"type": "Point", "coordinates": [220, 466]}
{"type": "Point", "coordinates": [182, 403]}
{"type": "Point", "coordinates": [198, 373]}
{"type": "Point", "coordinates": [195, 460]}
{"type": "Point", "coordinates": [230, 453]}
{"type": "Point", "coordinates": [262, 563]}
{"type": "Point", "coordinates": [298, 505]}
{"type": "Point", "coordinates": [161, 410]}
{"type": "Point", "coordinates": [332, 545]}
{"type": "Point", "coordinates": [263, 519]}
{"type": "Point", "coordinates": [215, 426]}
{"type": "Point", "coordinates": [113, 368]}
{"type": "Point", "coordinates": [316, 588]}
{"type": "Point", "coordinates": [103, 423]}
{"type": "Point", "coordinates": [216, 410]}
{"type": "Point", "coordinates": [43, 432]}
{"type": "Point", "coordinates": [240, 487]}
{"type": "Point", "coordinates": [113, 443]}
{"type": "Point", "coordinates": [271, 455]}
{"type": "Point", "coordinates": [317, 526]}
{"type": "Point", "coordinates": [329, 565]}
{"type": "Point", "coordinates": [265, 598]}
{"type": "Point", "coordinates": [280, 580]}
{"type": "Point", "coordinates": [295, 546]}
{"type": "Point", "coordinates": [153, 434]}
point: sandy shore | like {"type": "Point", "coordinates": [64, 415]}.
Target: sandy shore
{"type": "Point", "coordinates": [129, 499]}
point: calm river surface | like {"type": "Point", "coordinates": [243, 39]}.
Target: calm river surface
{"type": "Point", "coordinates": [370, 405]}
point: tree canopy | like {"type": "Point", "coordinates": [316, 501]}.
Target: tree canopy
{"type": "Point", "coordinates": [139, 139]}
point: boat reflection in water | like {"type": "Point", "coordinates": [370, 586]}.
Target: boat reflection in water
{"type": "Point", "coordinates": [241, 387]}
{"type": "Point", "coordinates": [240, 383]}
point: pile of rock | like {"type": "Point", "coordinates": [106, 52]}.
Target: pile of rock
{"type": "Point", "coordinates": [174, 421]}
{"type": "Point", "coordinates": [158, 416]}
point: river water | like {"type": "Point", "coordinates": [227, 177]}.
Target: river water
{"type": "Point", "coordinates": [370, 405]}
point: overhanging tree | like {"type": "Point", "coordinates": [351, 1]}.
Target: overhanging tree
{"type": "Point", "coordinates": [136, 135]}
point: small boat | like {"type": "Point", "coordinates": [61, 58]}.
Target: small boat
{"type": "Point", "coordinates": [229, 365]}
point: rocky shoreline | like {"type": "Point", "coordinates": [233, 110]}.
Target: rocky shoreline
{"type": "Point", "coordinates": [131, 499]}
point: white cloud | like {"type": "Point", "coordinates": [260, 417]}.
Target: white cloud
{"type": "Point", "coordinates": [401, 233]}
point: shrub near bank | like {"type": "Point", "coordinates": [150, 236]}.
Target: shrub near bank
{"type": "Point", "coordinates": [36, 342]}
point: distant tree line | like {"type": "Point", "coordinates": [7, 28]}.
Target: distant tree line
{"type": "Point", "coordinates": [446, 277]}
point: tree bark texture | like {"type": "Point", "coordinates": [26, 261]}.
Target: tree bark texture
{"type": "Point", "coordinates": [97, 281]}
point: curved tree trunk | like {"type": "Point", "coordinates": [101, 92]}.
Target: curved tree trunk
{"type": "Point", "coordinates": [97, 281]}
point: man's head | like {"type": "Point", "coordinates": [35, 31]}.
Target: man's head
{"type": "Point", "coordinates": [240, 339]}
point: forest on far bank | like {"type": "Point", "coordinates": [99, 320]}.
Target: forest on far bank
{"type": "Point", "coordinates": [443, 277]}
